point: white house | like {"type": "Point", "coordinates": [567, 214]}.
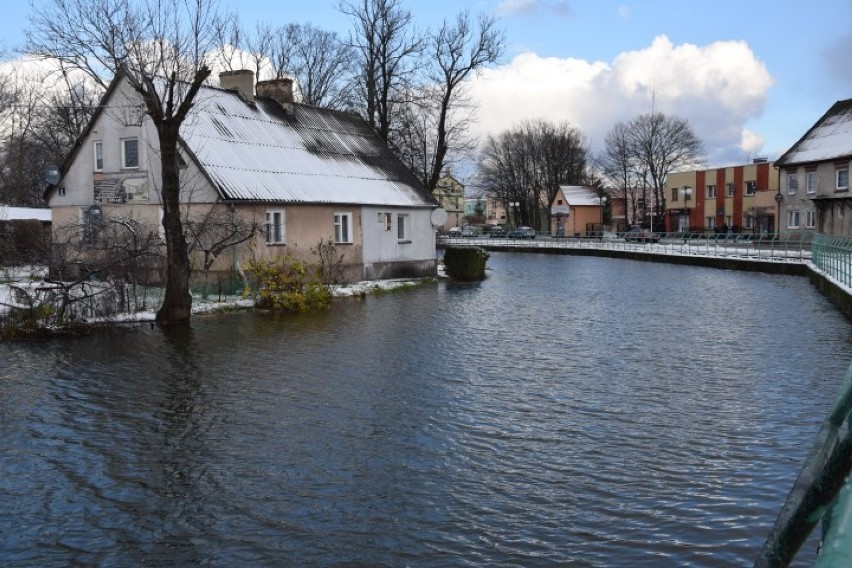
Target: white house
{"type": "Point", "coordinates": [305, 174]}
{"type": "Point", "coordinates": [814, 176]}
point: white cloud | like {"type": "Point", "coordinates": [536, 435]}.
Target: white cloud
{"type": "Point", "coordinates": [717, 87]}
{"type": "Point", "coordinates": [624, 12]}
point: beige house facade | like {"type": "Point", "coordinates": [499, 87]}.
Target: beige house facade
{"type": "Point", "coordinates": [250, 157]}
{"type": "Point", "coordinates": [576, 211]}
{"type": "Point", "coordinates": [738, 199]}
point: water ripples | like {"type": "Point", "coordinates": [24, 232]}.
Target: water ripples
{"type": "Point", "coordinates": [566, 411]}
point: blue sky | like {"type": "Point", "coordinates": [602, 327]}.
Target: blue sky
{"type": "Point", "coordinates": [751, 75]}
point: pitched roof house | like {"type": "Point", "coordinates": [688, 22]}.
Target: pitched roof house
{"type": "Point", "coordinates": [814, 176]}
{"type": "Point", "coordinates": [576, 210]}
{"type": "Point", "coordinates": [305, 174]}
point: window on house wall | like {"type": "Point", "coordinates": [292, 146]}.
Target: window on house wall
{"type": "Point", "coordinates": [343, 227]}
{"type": "Point", "coordinates": [730, 189]}
{"type": "Point", "coordinates": [792, 183]}
{"type": "Point", "coordinates": [386, 219]}
{"type": "Point", "coordinates": [810, 219]}
{"type": "Point", "coordinates": [811, 181]}
{"type": "Point", "coordinates": [792, 219]}
{"type": "Point", "coordinates": [751, 187]}
{"type": "Point", "coordinates": [711, 192]}
{"type": "Point", "coordinates": [274, 227]}
{"type": "Point", "coordinates": [98, 150]}
{"type": "Point", "coordinates": [90, 223]}
{"type": "Point", "coordinates": [674, 194]}
{"type": "Point", "coordinates": [711, 223]}
{"type": "Point", "coordinates": [403, 231]}
{"type": "Point", "coordinates": [749, 221]}
{"type": "Point", "coordinates": [130, 153]}
{"type": "Point", "coordinates": [841, 174]}
{"type": "Point", "coordinates": [729, 221]}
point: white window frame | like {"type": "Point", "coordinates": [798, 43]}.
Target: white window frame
{"type": "Point", "coordinates": [711, 223]}
{"type": "Point", "coordinates": [124, 142]}
{"type": "Point", "coordinates": [275, 226]}
{"type": "Point", "coordinates": [98, 155]}
{"type": "Point", "coordinates": [730, 190]}
{"type": "Point", "coordinates": [343, 228]}
{"type": "Point", "coordinates": [403, 227]}
{"type": "Point", "coordinates": [711, 192]}
{"type": "Point", "coordinates": [749, 221]}
{"type": "Point", "coordinates": [810, 219]}
{"type": "Point", "coordinates": [793, 218]}
{"type": "Point", "coordinates": [792, 183]}
{"type": "Point", "coordinates": [838, 185]}
{"type": "Point", "coordinates": [751, 187]}
{"type": "Point", "coordinates": [811, 181]}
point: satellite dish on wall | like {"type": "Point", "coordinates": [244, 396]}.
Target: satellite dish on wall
{"type": "Point", "coordinates": [439, 217]}
{"type": "Point", "coordinates": [51, 175]}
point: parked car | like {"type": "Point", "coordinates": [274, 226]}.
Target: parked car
{"type": "Point", "coordinates": [497, 232]}
{"type": "Point", "coordinates": [522, 233]}
{"type": "Point", "coordinates": [469, 232]}
{"type": "Point", "coordinates": [640, 235]}
{"type": "Point", "coordinates": [454, 232]}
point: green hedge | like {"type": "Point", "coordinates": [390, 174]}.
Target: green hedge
{"type": "Point", "coordinates": [465, 263]}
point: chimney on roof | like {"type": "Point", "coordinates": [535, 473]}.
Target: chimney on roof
{"type": "Point", "coordinates": [279, 90]}
{"type": "Point", "coordinates": [241, 81]}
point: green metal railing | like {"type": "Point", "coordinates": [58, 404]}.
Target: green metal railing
{"type": "Point", "coordinates": [833, 255]}
{"type": "Point", "coordinates": [819, 489]}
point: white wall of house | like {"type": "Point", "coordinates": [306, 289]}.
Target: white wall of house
{"type": "Point", "coordinates": [382, 242]}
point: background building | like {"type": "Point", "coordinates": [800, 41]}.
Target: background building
{"type": "Point", "coordinates": [732, 199]}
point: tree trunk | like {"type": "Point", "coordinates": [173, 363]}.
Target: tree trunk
{"type": "Point", "coordinates": [177, 303]}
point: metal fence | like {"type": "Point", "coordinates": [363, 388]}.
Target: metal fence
{"type": "Point", "coordinates": [793, 247]}
{"type": "Point", "coordinates": [833, 255]}
{"type": "Point", "coordinates": [820, 492]}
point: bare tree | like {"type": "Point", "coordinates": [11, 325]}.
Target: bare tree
{"type": "Point", "coordinates": [524, 167]}
{"type": "Point", "coordinates": [161, 47]}
{"type": "Point", "coordinates": [661, 144]}
{"type": "Point", "coordinates": [459, 49]}
{"type": "Point", "coordinates": [322, 65]}
{"type": "Point", "coordinates": [387, 45]}
{"type": "Point", "coordinates": [215, 231]}
{"type": "Point", "coordinates": [619, 166]}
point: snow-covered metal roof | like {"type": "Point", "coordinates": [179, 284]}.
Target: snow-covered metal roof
{"type": "Point", "coordinates": [579, 195]}
{"type": "Point", "coordinates": [830, 138]}
{"type": "Point", "coordinates": [259, 152]}
{"type": "Point", "coordinates": [20, 213]}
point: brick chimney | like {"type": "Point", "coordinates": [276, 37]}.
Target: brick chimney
{"type": "Point", "coordinates": [241, 81]}
{"type": "Point", "coordinates": [279, 90]}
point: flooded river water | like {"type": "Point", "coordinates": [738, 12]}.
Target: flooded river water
{"type": "Point", "coordinates": [567, 411]}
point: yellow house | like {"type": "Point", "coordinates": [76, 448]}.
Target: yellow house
{"type": "Point", "coordinates": [576, 211]}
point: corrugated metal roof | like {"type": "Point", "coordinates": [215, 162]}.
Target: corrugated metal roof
{"type": "Point", "coordinates": [829, 138]}
{"type": "Point", "coordinates": [579, 195]}
{"type": "Point", "coordinates": [262, 153]}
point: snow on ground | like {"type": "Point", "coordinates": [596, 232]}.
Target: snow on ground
{"type": "Point", "coordinates": [212, 303]}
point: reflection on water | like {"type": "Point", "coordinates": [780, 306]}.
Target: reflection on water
{"type": "Point", "coordinates": [566, 411]}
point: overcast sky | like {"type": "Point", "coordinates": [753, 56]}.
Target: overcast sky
{"type": "Point", "coordinates": [750, 75]}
